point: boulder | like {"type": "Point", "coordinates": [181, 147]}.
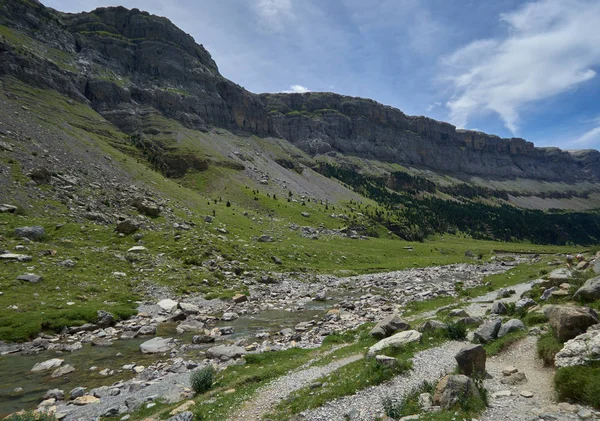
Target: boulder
{"type": "Point", "coordinates": [453, 388]}
{"type": "Point", "coordinates": [590, 291]}
{"type": "Point", "coordinates": [105, 318]}
{"type": "Point", "coordinates": [41, 175]}
{"type": "Point", "coordinates": [265, 239]}
{"type": "Point", "coordinates": [202, 339]}
{"type": "Point", "coordinates": [188, 308]}
{"type": "Point", "coordinates": [5, 208]}
{"type": "Point", "coordinates": [225, 352]}
{"type": "Point", "coordinates": [499, 308]}
{"type": "Point", "coordinates": [388, 326]}
{"type": "Point", "coordinates": [57, 394]}
{"type": "Point", "coordinates": [137, 249]}
{"type": "Point", "coordinates": [47, 365]}
{"type": "Point", "coordinates": [514, 378]}
{"type": "Point", "coordinates": [471, 360]}
{"type": "Point", "coordinates": [167, 305]}
{"type": "Point", "coordinates": [488, 331]}
{"type": "Point", "coordinates": [86, 400]}
{"type": "Point", "coordinates": [582, 265]}
{"type": "Point", "coordinates": [146, 206]}
{"type": "Point", "coordinates": [15, 256]}
{"type": "Point", "coordinates": [183, 416]}
{"type": "Point", "coordinates": [569, 321]}
{"type": "Point", "coordinates": [548, 293]}
{"type": "Point", "coordinates": [33, 233]}
{"type": "Point", "coordinates": [127, 227]}
{"type": "Point", "coordinates": [157, 345]}
{"type": "Point", "coordinates": [432, 325]}
{"type": "Point", "coordinates": [190, 326]}
{"type": "Point", "coordinates": [396, 341]}
{"type": "Point", "coordinates": [229, 316]}
{"type": "Point", "coordinates": [558, 276]}
{"type": "Point", "coordinates": [239, 298]}
{"type": "Point", "coordinates": [320, 296]}
{"type": "Point", "coordinates": [390, 362]}
{"type": "Point", "coordinates": [100, 342]}
{"type": "Point", "coordinates": [525, 303]}
{"type": "Point", "coordinates": [63, 371]}
{"type": "Point", "coordinates": [511, 326]}
{"type": "Point", "coordinates": [30, 277]}
{"type": "Point", "coordinates": [146, 330]}
{"type": "Point", "coordinates": [469, 321]}
{"type": "Point", "coordinates": [458, 312]}
{"type": "Point", "coordinates": [580, 350]}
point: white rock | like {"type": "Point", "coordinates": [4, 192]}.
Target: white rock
{"type": "Point", "coordinates": [397, 340]}
{"type": "Point", "coordinates": [137, 249]}
{"type": "Point", "coordinates": [168, 305]}
{"type": "Point", "coordinates": [47, 365]}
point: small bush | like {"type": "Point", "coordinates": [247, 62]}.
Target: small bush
{"type": "Point", "coordinates": [456, 331]}
{"type": "Point", "coordinates": [31, 416]}
{"type": "Point", "coordinates": [202, 380]}
{"type": "Point", "coordinates": [547, 347]}
{"type": "Point", "coordinates": [579, 384]}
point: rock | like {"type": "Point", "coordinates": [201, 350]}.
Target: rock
{"type": "Point", "coordinates": [488, 332]}
{"type": "Point", "coordinates": [57, 394]}
{"type": "Point", "coordinates": [146, 330]}
{"type": "Point", "coordinates": [505, 293]}
{"type": "Point", "coordinates": [105, 318]}
{"type": "Point", "coordinates": [590, 291]}
{"type": "Point", "coordinates": [568, 321]}
{"type": "Point", "coordinates": [526, 394]}
{"type": "Point", "coordinates": [425, 401]}
{"type": "Point", "coordinates": [100, 342]}
{"type": "Point", "coordinates": [4, 208]}
{"type": "Point", "coordinates": [188, 308]}
{"type": "Point", "coordinates": [47, 365]}
{"type": "Point", "coordinates": [585, 414]}
{"type": "Point", "coordinates": [511, 326]}
{"type": "Point", "coordinates": [432, 325]}
{"type": "Point", "coordinates": [137, 249]}
{"type": "Point", "coordinates": [15, 256]}
{"type": "Point", "coordinates": [397, 340]}
{"type": "Point", "coordinates": [501, 394]}
{"type": "Point", "coordinates": [239, 298]}
{"type": "Point", "coordinates": [265, 239]}
{"type": "Point", "coordinates": [276, 260]}
{"type": "Point", "coordinates": [469, 321]}
{"type": "Point", "coordinates": [64, 370]}
{"type": "Point", "coordinates": [225, 352]}
{"type": "Point", "coordinates": [499, 308]}
{"type": "Point", "coordinates": [320, 296]}
{"type": "Point", "coordinates": [453, 388]}
{"type": "Point", "coordinates": [525, 303]}
{"type": "Point", "coordinates": [157, 345]}
{"type": "Point", "coordinates": [127, 227]}
{"type": "Point", "coordinates": [387, 361]}
{"type": "Point", "coordinates": [388, 326]}
{"type": "Point", "coordinates": [183, 407]}
{"type": "Point", "coordinates": [146, 206]}
{"type": "Point", "coordinates": [40, 175]}
{"type": "Point", "coordinates": [560, 293]}
{"type": "Point", "coordinates": [190, 326]}
{"type": "Point", "coordinates": [30, 277]}
{"type": "Point", "coordinates": [77, 392]}
{"type": "Point", "coordinates": [471, 360]}
{"type": "Point", "coordinates": [508, 370]}
{"type": "Point", "coordinates": [548, 293]}
{"type": "Point", "coordinates": [229, 316]}
{"type": "Point", "coordinates": [514, 379]}
{"type": "Point", "coordinates": [558, 276]}
{"type": "Point", "coordinates": [202, 339]}
{"type": "Point", "coordinates": [184, 416]}
{"type": "Point", "coordinates": [581, 350]}
{"type": "Point", "coordinates": [167, 305]}
{"type": "Point", "coordinates": [86, 400]}
{"type": "Point", "coordinates": [33, 233]}
{"type": "Point", "coordinates": [582, 265]}
{"type": "Point", "coordinates": [458, 312]}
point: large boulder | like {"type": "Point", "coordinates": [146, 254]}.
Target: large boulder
{"type": "Point", "coordinates": [167, 305]}
{"type": "Point", "coordinates": [398, 340]}
{"type": "Point", "coordinates": [157, 345]}
{"type": "Point", "coordinates": [580, 350]}
{"type": "Point", "coordinates": [590, 291]}
{"type": "Point", "coordinates": [499, 308]}
{"type": "Point", "coordinates": [127, 227]}
{"type": "Point", "coordinates": [570, 321]}
{"type": "Point", "coordinates": [488, 331]}
{"type": "Point", "coordinates": [557, 277]}
{"type": "Point", "coordinates": [388, 326]}
{"type": "Point", "coordinates": [454, 388]}
{"type": "Point", "coordinates": [471, 360]}
{"type": "Point", "coordinates": [33, 233]}
{"type": "Point", "coordinates": [47, 365]}
{"type": "Point", "coordinates": [146, 206]}
{"type": "Point", "coordinates": [105, 318]}
{"type": "Point", "coordinates": [511, 326]}
{"type": "Point", "coordinates": [225, 352]}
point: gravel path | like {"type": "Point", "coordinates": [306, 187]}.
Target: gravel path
{"type": "Point", "coordinates": [270, 395]}
{"type": "Point", "coordinates": [479, 305]}
{"type": "Point", "coordinates": [430, 364]}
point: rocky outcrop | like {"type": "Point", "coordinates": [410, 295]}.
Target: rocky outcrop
{"type": "Point", "coordinates": [568, 321]}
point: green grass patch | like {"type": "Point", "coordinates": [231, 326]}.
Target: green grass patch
{"type": "Point", "coordinates": [579, 384]}
{"type": "Point", "coordinates": [547, 347]}
{"type": "Point", "coordinates": [496, 346]}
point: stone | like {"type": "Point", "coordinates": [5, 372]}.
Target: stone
{"type": "Point", "coordinates": [137, 249]}
{"type": "Point", "coordinates": [425, 401]}
{"type": "Point", "coordinates": [146, 206]}
{"type": "Point", "coordinates": [589, 291]}
{"type": "Point", "coordinates": [183, 407]}
{"type": "Point", "coordinates": [77, 392]}
{"type": "Point", "coordinates": [202, 339]}
{"type": "Point", "coordinates": [397, 340]}
{"type": "Point", "coordinates": [40, 175]}
{"type": "Point", "coordinates": [525, 303]}
{"type": "Point", "coordinates": [47, 365]}
{"type": "Point", "coordinates": [105, 318]}
{"type": "Point", "coordinates": [560, 293]}
{"type": "Point", "coordinates": [508, 370]}
{"type": "Point", "coordinates": [320, 296]}
{"type": "Point", "coordinates": [458, 312]}
{"type": "Point", "coordinates": [558, 276]}
{"type": "Point", "coordinates": [184, 416]}
{"type": "Point", "coordinates": [469, 321]}
{"type": "Point", "coordinates": [453, 388]}
{"type": "Point", "coordinates": [388, 326]}
{"type": "Point", "coordinates": [225, 352]}
{"type": "Point", "coordinates": [127, 227]}
{"type": "Point", "coordinates": [276, 260]}
{"type": "Point", "coordinates": [582, 265]}
{"type": "Point", "coordinates": [387, 361]}
{"type": "Point", "coordinates": [146, 330]}
{"type": "Point", "coordinates": [30, 277]}
{"type": "Point", "coordinates": [471, 360]}
{"type": "Point", "coordinates": [64, 370]}
{"type": "Point", "coordinates": [581, 350]}
{"type": "Point", "coordinates": [502, 394]}
{"type": "Point", "coordinates": [15, 256]}
{"type": "Point", "coordinates": [585, 414]}
{"type": "Point", "coordinates": [229, 316]}
{"type": "Point", "coordinates": [57, 394]}
{"type": "Point", "coordinates": [511, 326]}
{"type": "Point", "coordinates": [499, 308]}
{"type": "Point", "coordinates": [188, 308]}
{"type": "Point", "coordinates": [167, 305]}
{"type": "Point", "coordinates": [488, 331]}
{"type": "Point", "coordinates": [101, 342]}
{"type": "Point", "coordinates": [547, 293]}
{"type": "Point", "coordinates": [4, 208]}
{"type": "Point", "coordinates": [514, 379]}
{"type": "Point", "coordinates": [86, 400]}
{"type": "Point", "coordinates": [32, 233]}
{"type": "Point", "coordinates": [157, 345]}
{"type": "Point", "coordinates": [190, 326]}
{"type": "Point", "coordinates": [239, 298]}
{"type": "Point", "coordinates": [569, 321]}
{"type": "Point", "coordinates": [265, 239]}
{"type": "Point", "coordinates": [526, 394]}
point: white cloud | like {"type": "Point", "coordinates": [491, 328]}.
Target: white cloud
{"type": "Point", "coordinates": [591, 136]}
{"type": "Point", "coordinates": [551, 46]}
{"type": "Point", "coordinates": [296, 89]}
{"type": "Point", "coordinates": [273, 13]}
{"type": "Point", "coordinates": [432, 106]}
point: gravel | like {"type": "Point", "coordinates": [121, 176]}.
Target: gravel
{"type": "Point", "coordinates": [430, 365]}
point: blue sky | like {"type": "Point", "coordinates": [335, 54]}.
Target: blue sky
{"type": "Point", "coordinates": [512, 68]}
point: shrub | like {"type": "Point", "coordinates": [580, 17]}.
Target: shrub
{"type": "Point", "coordinates": [456, 331]}
{"type": "Point", "coordinates": [579, 384]}
{"type": "Point", "coordinates": [31, 416]}
{"type": "Point", "coordinates": [547, 347]}
{"type": "Point", "coordinates": [202, 380]}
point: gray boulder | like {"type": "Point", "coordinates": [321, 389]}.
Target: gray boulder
{"type": "Point", "coordinates": [127, 227]}
{"type": "Point", "coordinates": [454, 388]}
{"type": "Point", "coordinates": [388, 326]}
{"type": "Point", "coordinates": [184, 416]}
{"type": "Point", "coordinates": [511, 326]}
{"type": "Point", "coordinates": [33, 233]}
{"type": "Point", "coordinates": [225, 352]}
{"type": "Point", "coordinates": [525, 303]}
{"type": "Point", "coordinates": [471, 360]}
{"type": "Point", "coordinates": [458, 312]}
{"type": "Point", "coordinates": [488, 331]}
{"type": "Point", "coordinates": [432, 325]}
{"type": "Point", "coordinates": [581, 350]}
{"type": "Point", "coordinates": [590, 291]}
{"type": "Point", "coordinates": [157, 345]}
{"type": "Point", "coordinates": [202, 339]}
{"type": "Point", "coordinates": [146, 330]}
{"type": "Point", "coordinates": [396, 341]}
{"type": "Point", "coordinates": [30, 277]}
{"type": "Point", "coordinates": [569, 321]}
{"type": "Point", "coordinates": [105, 318]}
{"type": "Point", "coordinates": [548, 293]}
{"type": "Point", "coordinates": [41, 175]}
{"type": "Point", "coordinates": [499, 308]}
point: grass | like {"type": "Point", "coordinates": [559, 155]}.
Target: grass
{"type": "Point", "coordinates": [547, 347]}
{"type": "Point", "coordinates": [496, 346]}
{"type": "Point", "coordinates": [579, 384]}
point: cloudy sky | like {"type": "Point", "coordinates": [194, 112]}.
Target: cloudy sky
{"type": "Point", "coordinates": [508, 67]}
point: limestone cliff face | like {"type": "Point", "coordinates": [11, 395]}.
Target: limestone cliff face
{"type": "Point", "coordinates": [128, 65]}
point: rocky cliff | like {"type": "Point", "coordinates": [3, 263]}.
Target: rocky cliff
{"type": "Point", "coordinates": [128, 64]}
